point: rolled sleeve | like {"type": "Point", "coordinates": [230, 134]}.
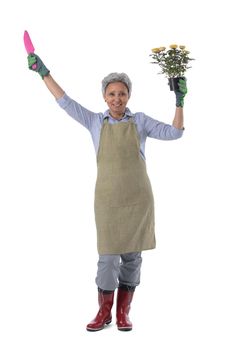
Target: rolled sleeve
{"type": "Point", "coordinates": [177, 133]}
{"type": "Point", "coordinates": [63, 101]}
{"type": "Point", "coordinates": [162, 131]}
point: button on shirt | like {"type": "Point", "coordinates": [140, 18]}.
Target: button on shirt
{"type": "Point", "coordinates": [146, 126]}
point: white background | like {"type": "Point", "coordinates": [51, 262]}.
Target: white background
{"type": "Point", "coordinates": [48, 169]}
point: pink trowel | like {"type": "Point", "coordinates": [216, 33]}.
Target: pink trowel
{"type": "Point", "coordinates": [28, 45]}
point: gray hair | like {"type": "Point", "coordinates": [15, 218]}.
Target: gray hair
{"type": "Point", "coordinates": [117, 77]}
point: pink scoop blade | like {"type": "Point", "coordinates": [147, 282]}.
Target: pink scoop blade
{"type": "Point", "coordinates": [28, 45]}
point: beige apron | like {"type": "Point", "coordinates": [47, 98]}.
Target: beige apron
{"type": "Point", "coordinates": [124, 204]}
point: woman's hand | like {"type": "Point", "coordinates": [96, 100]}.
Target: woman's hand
{"type": "Point", "coordinates": [180, 94]}
{"type": "Point", "coordinates": [36, 64]}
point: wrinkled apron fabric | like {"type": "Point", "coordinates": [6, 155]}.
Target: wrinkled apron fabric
{"type": "Point", "coordinates": [124, 204]}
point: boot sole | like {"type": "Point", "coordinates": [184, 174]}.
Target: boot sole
{"type": "Point", "coordinates": [98, 329]}
{"type": "Point", "coordinates": [125, 329]}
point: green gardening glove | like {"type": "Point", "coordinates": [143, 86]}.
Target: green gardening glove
{"type": "Point", "coordinates": [35, 63]}
{"type": "Point", "coordinates": [180, 94]}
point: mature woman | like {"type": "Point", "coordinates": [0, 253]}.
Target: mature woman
{"type": "Point", "coordinates": [124, 206]}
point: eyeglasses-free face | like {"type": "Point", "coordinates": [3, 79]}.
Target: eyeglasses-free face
{"type": "Point", "coordinates": [116, 97]}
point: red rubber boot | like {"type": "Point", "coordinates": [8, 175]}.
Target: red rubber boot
{"type": "Point", "coordinates": [104, 316]}
{"type": "Point", "coordinates": [124, 298]}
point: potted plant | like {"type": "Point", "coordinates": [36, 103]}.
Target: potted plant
{"type": "Point", "coordinates": [173, 63]}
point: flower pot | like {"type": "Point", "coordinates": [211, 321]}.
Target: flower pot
{"type": "Point", "coordinates": [173, 83]}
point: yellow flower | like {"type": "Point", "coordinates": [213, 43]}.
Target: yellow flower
{"type": "Point", "coordinates": [172, 60]}
{"type": "Point", "coordinates": [156, 50]}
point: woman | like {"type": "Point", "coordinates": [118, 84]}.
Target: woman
{"type": "Point", "coordinates": [124, 206]}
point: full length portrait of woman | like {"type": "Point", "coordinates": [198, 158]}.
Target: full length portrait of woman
{"type": "Point", "coordinates": [124, 204]}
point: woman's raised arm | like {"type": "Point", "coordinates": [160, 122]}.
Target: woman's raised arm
{"type": "Point", "coordinates": [36, 64]}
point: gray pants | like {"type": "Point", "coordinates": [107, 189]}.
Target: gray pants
{"type": "Point", "coordinates": [114, 269]}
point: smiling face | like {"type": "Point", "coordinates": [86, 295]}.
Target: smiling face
{"type": "Point", "coordinates": [116, 96]}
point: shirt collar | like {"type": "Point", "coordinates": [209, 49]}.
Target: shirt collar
{"type": "Point", "coordinates": [126, 115]}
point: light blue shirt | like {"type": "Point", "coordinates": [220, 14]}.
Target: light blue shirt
{"type": "Point", "coordinates": [146, 126]}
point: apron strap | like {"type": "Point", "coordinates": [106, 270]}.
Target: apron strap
{"type": "Point", "coordinates": [131, 119]}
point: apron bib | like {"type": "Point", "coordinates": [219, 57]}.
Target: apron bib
{"type": "Point", "coordinates": [124, 204]}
